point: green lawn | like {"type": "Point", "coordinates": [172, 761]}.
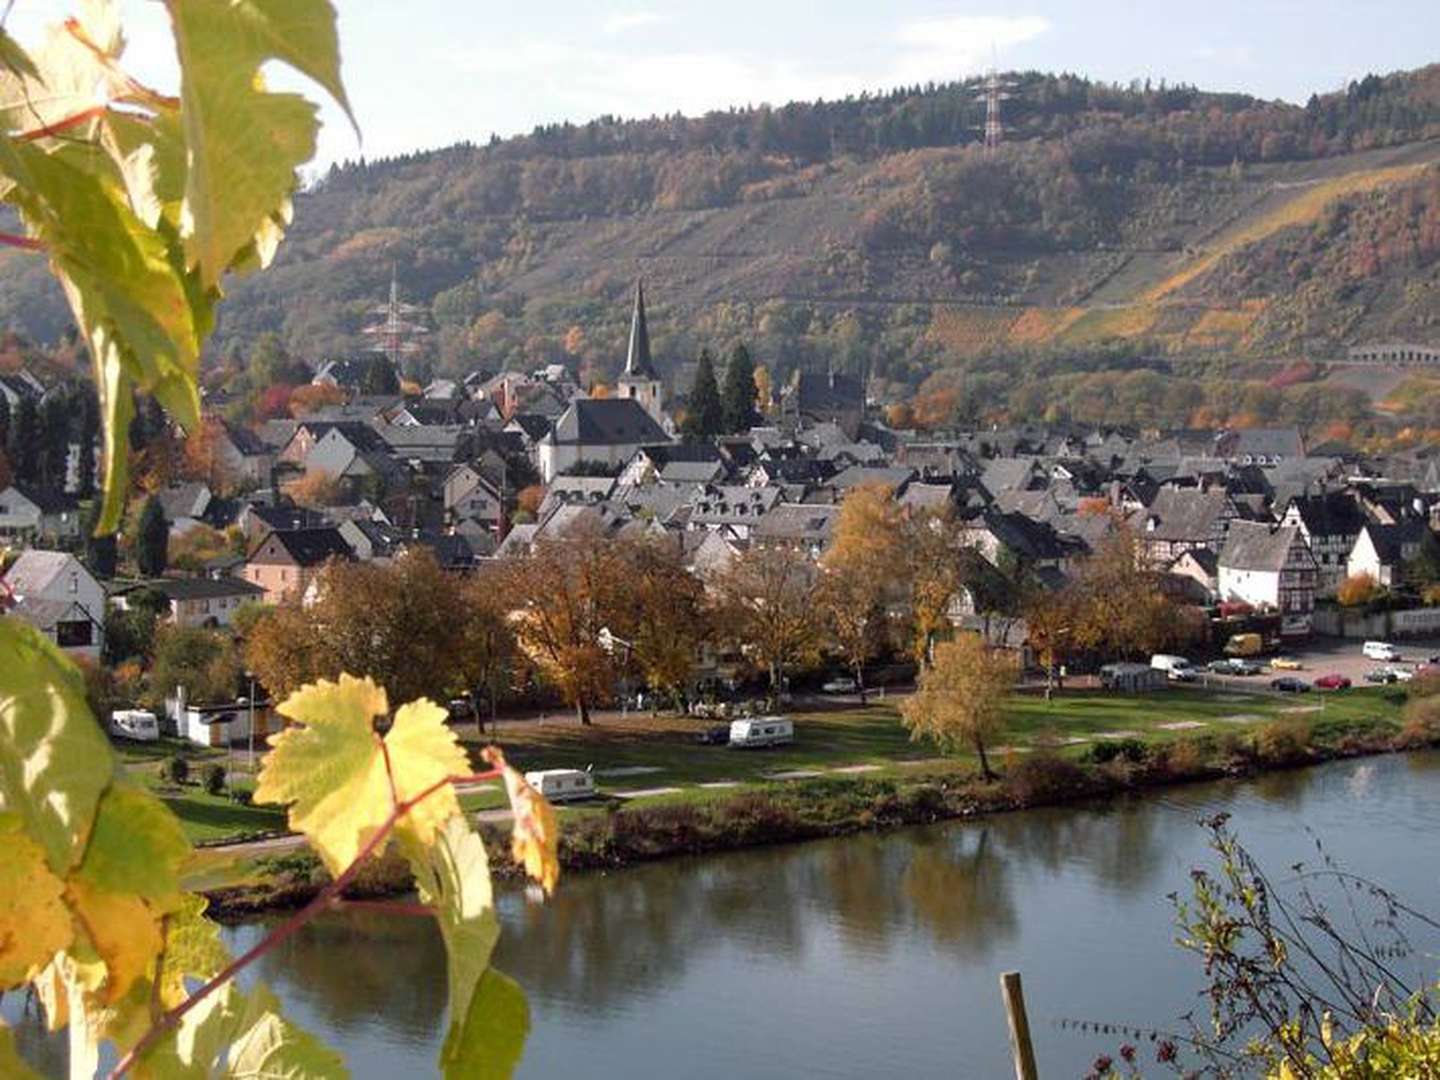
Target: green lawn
{"type": "Point", "coordinates": [824, 741]}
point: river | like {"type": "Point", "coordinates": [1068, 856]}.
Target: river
{"type": "Point", "coordinates": [874, 955]}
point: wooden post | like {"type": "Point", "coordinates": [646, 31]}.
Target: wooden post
{"type": "Point", "coordinates": [1020, 1047]}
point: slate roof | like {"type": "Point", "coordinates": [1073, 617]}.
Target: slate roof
{"type": "Point", "coordinates": [535, 426]}
{"type": "Point", "coordinates": [893, 477]}
{"type": "Point", "coordinates": [197, 588]}
{"type": "Point", "coordinates": [1184, 514]}
{"type": "Point", "coordinates": [1391, 540]}
{"type": "Point", "coordinates": [47, 500]}
{"type": "Point", "coordinates": [245, 441]}
{"type": "Point", "coordinates": [287, 518]}
{"type": "Point", "coordinates": [803, 522]}
{"type": "Point", "coordinates": [309, 547]}
{"type": "Point", "coordinates": [606, 422]}
{"type": "Point", "coordinates": [638, 364]}
{"type": "Point", "coordinates": [1333, 513]}
{"type": "Point", "coordinates": [1254, 545]}
{"type": "Point", "coordinates": [35, 570]}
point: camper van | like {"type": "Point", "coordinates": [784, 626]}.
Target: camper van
{"type": "Point", "coordinates": [1381, 650]}
{"type": "Point", "coordinates": [135, 724]}
{"type": "Point", "coordinates": [1244, 645]}
{"type": "Point", "coordinates": [561, 785]}
{"type": "Point", "coordinates": [762, 731]}
{"type": "Point", "coordinates": [1176, 668]}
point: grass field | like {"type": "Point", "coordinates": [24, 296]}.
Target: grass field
{"type": "Point", "coordinates": [653, 753]}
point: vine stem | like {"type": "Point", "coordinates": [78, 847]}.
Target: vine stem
{"type": "Point", "coordinates": [323, 900]}
{"type": "Point", "coordinates": [13, 240]}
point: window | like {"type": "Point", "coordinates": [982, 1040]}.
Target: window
{"type": "Point", "coordinates": [74, 583]}
{"type": "Point", "coordinates": [75, 634]}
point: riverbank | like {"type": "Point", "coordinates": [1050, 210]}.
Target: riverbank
{"type": "Point", "coordinates": [807, 809]}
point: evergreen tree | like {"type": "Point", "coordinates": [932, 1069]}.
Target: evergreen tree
{"type": "Point", "coordinates": [152, 540]}
{"type": "Point", "coordinates": [88, 434]}
{"type": "Point", "coordinates": [738, 397]}
{"type": "Point", "coordinates": [704, 413]}
{"type": "Point", "coordinates": [4, 423]}
{"type": "Point", "coordinates": [25, 442]}
{"type": "Point", "coordinates": [54, 440]}
{"type": "Point", "coordinates": [99, 550]}
{"type": "Point", "coordinates": [379, 379]}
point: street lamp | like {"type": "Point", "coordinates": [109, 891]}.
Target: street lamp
{"type": "Point", "coordinates": [251, 734]}
{"type": "Point", "coordinates": [608, 641]}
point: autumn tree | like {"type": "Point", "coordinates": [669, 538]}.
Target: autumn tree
{"type": "Point", "coordinates": [704, 412]}
{"type": "Point", "coordinates": [859, 575]}
{"type": "Point", "coordinates": [1118, 603]}
{"type": "Point", "coordinates": [1357, 590]}
{"type": "Point", "coordinates": [486, 652]}
{"type": "Point", "coordinates": [960, 699]}
{"type": "Point", "coordinates": [764, 390]}
{"type": "Point", "coordinates": [562, 595]}
{"type": "Point", "coordinates": [312, 397]}
{"type": "Point", "coordinates": [765, 600]}
{"type": "Point", "coordinates": [662, 612]}
{"type": "Point", "coordinates": [738, 394]}
{"type": "Point", "coordinates": [204, 662]}
{"type": "Point", "coordinates": [930, 562]}
{"type": "Point", "coordinates": [314, 488]}
{"type": "Point", "coordinates": [284, 651]}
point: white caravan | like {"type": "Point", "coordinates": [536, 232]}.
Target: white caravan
{"type": "Point", "coordinates": [135, 724]}
{"type": "Point", "coordinates": [761, 731]}
{"type": "Point", "coordinates": [560, 785]}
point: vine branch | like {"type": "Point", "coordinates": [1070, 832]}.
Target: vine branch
{"type": "Point", "coordinates": [323, 900]}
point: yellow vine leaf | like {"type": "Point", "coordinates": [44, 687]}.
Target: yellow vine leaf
{"type": "Point", "coordinates": [245, 142]}
{"type": "Point", "coordinates": [489, 1042]}
{"type": "Point", "coordinates": [54, 760]}
{"type": "Point", "coordinates": [535, 836]}
{"type": "Point", "coordinates": [193, 949]}
{"type": "Point", "coordinates": [124, 930]}
{"type": "Point", "coordinates": [137, 847]}
{"type": "Point", "coordinates": [34, 923]}
{"type": "Point", "coordinates": [331, 766]}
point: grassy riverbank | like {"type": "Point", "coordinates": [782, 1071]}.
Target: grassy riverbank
{"type": "Point", "coordinates": [697, 820]}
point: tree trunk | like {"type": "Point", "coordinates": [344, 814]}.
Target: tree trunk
{"type": "Point", "coordinates": [986, 773]}
{"type": "Point", "coordinates": [475, 711]}
{"type": "Point", "coordinates": [582, 710]}
{"type": "Point", "coordinates": [860, 681]}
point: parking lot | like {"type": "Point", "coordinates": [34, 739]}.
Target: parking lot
{"type": "Point", "coordinates": [1340, 656]}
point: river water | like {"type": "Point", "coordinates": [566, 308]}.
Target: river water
{"type": "Point", "coordinates": [867, 956]}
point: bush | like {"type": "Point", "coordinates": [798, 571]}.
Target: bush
{"type": "Point", "coordinates": [242, 796]}
{"type": "Point", "coordinates": [175, 769]}
{"type": "Point", "coordinates": [1045, 777]}
{"type": "Point", "coordinates": [1284, 741]}
{"type": "Point", "coordinates": [215, 779]}
{"type": "Point", "coordinates": [1132, 750]}
{"type": "Point", "coordinates": [1358, 590]}
{"type": "Point", "coordinates": [1186, 757]}
{"type": "Point", "coordinates": [1420, 722]}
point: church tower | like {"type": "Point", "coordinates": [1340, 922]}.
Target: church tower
{"type": "Point", "coordinates": [639, 380]}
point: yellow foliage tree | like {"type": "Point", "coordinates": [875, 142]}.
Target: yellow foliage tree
{"type": "Point", "coordinates": [1358, 590]}
{"type": "Point", "coordinates": [960, 699]}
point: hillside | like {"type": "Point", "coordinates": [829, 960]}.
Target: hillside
{"type": "Point", "coordinates": [1161, 222]}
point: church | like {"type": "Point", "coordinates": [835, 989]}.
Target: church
{"type": "Point", "coordinates": [639, 381]}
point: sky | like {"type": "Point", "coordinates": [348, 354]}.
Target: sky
{"type": "Point", "coordinates": [427, 73]}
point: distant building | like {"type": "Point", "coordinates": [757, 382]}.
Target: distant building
{"type": "Point", "coordinates": [1383, 550]}
{"type": "Point", "coordinates": [639, 382]}
{"type": "Point", "coordinates": [831, 396]}
{"type": "Point", "coordinates": [284, 563]}
{"type": "Point", "coordinates": [1270, 567]}
{"type": "Point", "coordinates": [55, 593]}
{"type": "Point", "coordinates": [38, 515]}
{"type": "Point", "coordinates": [199, 601]}
{"type": "Point", "coordinates": [606, 431]}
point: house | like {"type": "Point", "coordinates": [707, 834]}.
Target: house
{"type": "Point", "coordinates": [1201, 566]}
{"type": "Point", "coordinates": [243, 455]}
{"type": "Point", "coordinates": [830, 396]}
{"type": "Point", "coordinates": [1331, 522]}
{"type": "Point", "coordinates": [185, 505]}
{"type": "Point", "coordinates": [1182, 519]}
{"type": "Point", "coordinates": [283, 563]}
{"type": "Point", "coordinates": [470, 496]}
{"type": "Point", "coordinates": [807, 526]}
{"type": "Point", "coordinates": [223, 724]}
{"type": "Point", "coordinates": [606, 431]}
{"type": "Point", "coordinates": [1383, 550]}
{"type": "Point", "coordinates": [675, 463]}
{"type": "Point", "coordinates": [55, 593]}
{"type": "Point", "coordinates": [38, 515]}
{"type": "Point", "coordinates": [734, 509]}
{"type": "Point", "coordinates": [1266, 447]}
{"type": "Point", "coordinates": [1269, 567]}
{"type": "Point", "coordinates": [198, 601]}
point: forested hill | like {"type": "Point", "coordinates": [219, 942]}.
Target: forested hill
{"type": "Point", "coordinates": [1115, 221]}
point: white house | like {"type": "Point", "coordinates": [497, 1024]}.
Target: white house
{"type": "Point", "coordinates": [604, 431]}
{"type": "Point", "coordinates": [38, 514]}
{"type": "Point", "coordinates": [1270, 567]}
{"type": "Point", "coordinates": [1383, 550]}
{"type": "Point", "coordinates": [207, 601]}
{"type": "Point", "coordinates": [54, 592]}
{"type": "Point", "coordinates": [469, 496]}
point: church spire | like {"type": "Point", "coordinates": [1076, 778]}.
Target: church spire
{"type": "Point", "coordinates": [637, 359]}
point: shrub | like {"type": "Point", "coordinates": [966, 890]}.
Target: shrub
{"type": "Point", "coordinates": [175, 769]}
{"type": "Point", "coordinates": [1186, 757]}
{"type": "Point", "coordinates": [1131, 750]}
{"type": "Point", "coordinates": [242, 796]}
{"type": "Point", "coordinates": [1358, 590]}
{"type": "Point", "coordinates": [1420, 722]}
{"type": "Point", "coordinates": [214, 779]}
{"type": "Point", "coordinates": [1045, 777]}
{"type": "Point", "coordinates": [1283, 741]}
{"type": "Point", "coordinates": [1423, 686]}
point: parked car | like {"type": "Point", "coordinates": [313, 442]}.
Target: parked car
{"type": "Point", "coordinates": [1380, 650]}
{"type": "Point", "coordinates": [716, 735]}
{"type": "Point", "coordinates": [1380, 675]}
{"type": "Point", "coordinates": [1332, 681]}
{"type": "Point", "coordinates": [1221, 667]}
{"type": "Point", "coordinates": [1402, 674]}
{"type": "Point", "coordinates": [1176, 668]}
{"type": "Point", "coordinates": [1286, 663]}
{"type": "Point", "coordinates": [841, 685]}
{"type": "Point", "coordinates": [1246, 667]}
{"type": "Point", "coordinates": [1288, 684]}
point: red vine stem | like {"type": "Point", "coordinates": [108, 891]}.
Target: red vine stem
{"type": "Point", "coordinates": [12, 240]}
{"type": "Point", "coordinates": [64, 124]}
{"type": "Point", "coordinates": [324, 899]}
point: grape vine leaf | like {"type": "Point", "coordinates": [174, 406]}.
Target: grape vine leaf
{"type": "Point", "coordinates": [137, 846]}
{"type": "Point", "coordinates": [245, 142]}
{"type": "Point", "coordinates": [490, 1040]}
{"type": "Point", "coordinates": [331, 767]}
{"type": "Point", "coordinates": [535, 835]}
{"type": "Point", "coordinates": [34, 922]}
{"type": "Point", "coordinates": [192, 949]}
{"type": "Point", "coordinates": [12, 1066]}
{"type": "Point", "coordinates": [123, 929]}
{"type": "Point", "coordinates": [54, 760]}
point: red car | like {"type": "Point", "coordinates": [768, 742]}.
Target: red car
{"type": "Point", "coordinates": [1332, 682]}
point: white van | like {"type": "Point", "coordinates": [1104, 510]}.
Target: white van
{"type": "Point", "coordinates": [1381, 650]}
{"type": "Point", "coordinates": [761, 731]}
{"type": "Point", "coordinates": [560, 785]}
{"type": "Point", "coordinates": [1175, 667]}
{"type": "Point", "coordinates": [135, 724]}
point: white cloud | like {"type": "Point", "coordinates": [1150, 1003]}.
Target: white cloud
{"type": "Point", "coordinates": [618, 22]}
{"type": "Point", "coordinates": [948, 46]}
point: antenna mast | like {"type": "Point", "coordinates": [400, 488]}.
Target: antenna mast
{"type": "Point", "coordinates": [993, 91]}
{"type": "Point", "coordinates": [399, 333]}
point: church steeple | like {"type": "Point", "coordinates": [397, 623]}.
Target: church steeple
{"type": "Point", "coordinates": [637, 358]}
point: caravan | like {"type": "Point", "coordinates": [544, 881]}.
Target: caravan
{"type": "Point", "coordinates": [135, 724]}
{"type": "Point", "coordinates": [762, 731]}
{"type": "Point", "coordinates": [561, 785]}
